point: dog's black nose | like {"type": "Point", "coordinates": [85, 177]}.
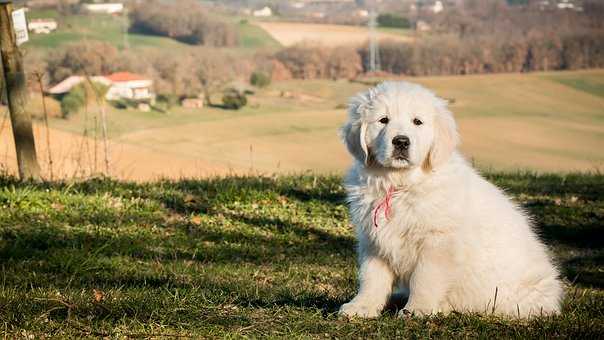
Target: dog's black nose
{"type": "Point", "coordinates": [401, 142]}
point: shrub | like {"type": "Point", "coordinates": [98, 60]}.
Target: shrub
{"type": "Point", "coordinates": [260, 79]}
{"type": "Point", "coordinates": [124, 103]}
{"type": "Point", "coordinates": [304, 61]}
{"type": "Point", "coordinates": [120, 104]}
{"type": "Point", "coordinates": [79, 95]}
{"type": "Point", "coordinates": [72, 103]}
{"type": "Point", "coordinates": [167, 100]}
{"type": "Point", "coordinates": [393, 20]}
{"type": "Point", "coordinates": [233, 99]}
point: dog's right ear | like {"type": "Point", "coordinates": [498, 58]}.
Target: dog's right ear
{"type": "Point", "coordinates": [355, 130]}
{"type": "Point", "coordinates": [353, 134]}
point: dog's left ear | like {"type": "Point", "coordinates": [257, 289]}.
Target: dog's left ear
{"type": "Point", "coordinates": [446, 138]}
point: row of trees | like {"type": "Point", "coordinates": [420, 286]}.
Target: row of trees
{"type": "Point", "coordinates": [185, 21]}
{"type": "Point", "coordinates": [206, 70]}
{"type": "Point", "coordinates": [312, 61]}
{"type": "Point", "coordinates": [450, 55]}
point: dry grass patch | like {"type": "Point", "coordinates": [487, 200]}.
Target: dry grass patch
{"type": "Point", "coordinates": [291, 33]}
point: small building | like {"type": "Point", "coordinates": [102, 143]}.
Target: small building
{"type": "Point", "coordinates": [437, 7]}
{"type": "Point", "coordinates": [363, 13]}
{"type": "Point", "coordinates": [143, 107]}
{"type": "Point", "coordinates": [122, 85]}
{"type": "Point", "coordinates": [42, 26]}
{"type": "Point", "coordinates": [130, 86]}
{"type": "Point", "coordinates": [422, 26]}
{"type": "Point", "coordinates": [264, 12]}
{"type": "Point", "coordinates": [103, 8]}
{"type": "Point", "coordinates": [569, 5]}
{"type": "Point", "coordinates": [192, 103]}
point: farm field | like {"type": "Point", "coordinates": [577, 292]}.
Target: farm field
{"type": "Point", "coordinates": [291, 33]}
{"type": "Point", "coordinates": [249, 257]}
{"type": "Point", "coordinates": [546, 122]}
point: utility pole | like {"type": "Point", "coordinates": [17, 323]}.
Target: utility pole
{"type": "Point", "coordinates": [374, 49]}
{"type": "Point", "coordinates": [16, 89]}
{"type": "Point", "coordinates": [125, 27]}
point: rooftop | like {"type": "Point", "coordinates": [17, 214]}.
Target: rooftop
{"type": "Point", "coordinates": [125, 76]}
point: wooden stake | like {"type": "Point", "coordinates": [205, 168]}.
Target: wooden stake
{"type": "Point", "coordinates": [16, 88]}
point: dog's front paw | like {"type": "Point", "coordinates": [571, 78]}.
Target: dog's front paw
{"type": "Point", "coordinates": [404, 313]}
{"type": "Point", "coordinates": [410, 311]}
{"type": "Point", "coordinates": [357, 309]}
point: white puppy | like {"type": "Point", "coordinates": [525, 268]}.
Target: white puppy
{"type": "Point", "coordinates": [428, 224]}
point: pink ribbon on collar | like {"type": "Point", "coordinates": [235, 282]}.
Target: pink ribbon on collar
{"type": "Point", "coordinates": [385, 204]}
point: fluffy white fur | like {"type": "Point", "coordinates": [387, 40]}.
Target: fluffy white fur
{"type": "Point", "coordinates": [454, 242]}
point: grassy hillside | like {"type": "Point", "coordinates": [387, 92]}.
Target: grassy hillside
{"type": "Point", "coordinates": [110, 29]}
{"type": "Point", "coordinates": [542, 121]}
{"type": "Point", "coordinates": [592, 83]}
{"type": "Point", "coordinates": [248, 257]}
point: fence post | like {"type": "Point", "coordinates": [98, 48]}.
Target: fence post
{"type": "Point", "coordinates": [16, 89]}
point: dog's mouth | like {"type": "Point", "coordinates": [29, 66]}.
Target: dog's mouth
{"type": "Point", "coordinates": [400, 155]}
{"type": "Point", "coordinates": [399, 161]}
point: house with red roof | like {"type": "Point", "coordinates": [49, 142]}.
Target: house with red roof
{"type": "Point", "coordinates": [130, 86]}
{"type": "Point", "coordinates": [122, 85]}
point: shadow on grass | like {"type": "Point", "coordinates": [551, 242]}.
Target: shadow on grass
{"type": "Point", "coordinates": [55, 254]}
{"type": "Point", "coordinates": [585, 270]}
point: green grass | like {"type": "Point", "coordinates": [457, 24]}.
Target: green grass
{"type": "Point", "coordinates": [400, 31]}
{"type": "Point", "coordinates": [585, 82]}
{"type": "Point", "coordinates": [106, 28]}
{"type": "Point", "coordinates": [254, 256]}
{"type": "Point", "coordinates": [252, 36]}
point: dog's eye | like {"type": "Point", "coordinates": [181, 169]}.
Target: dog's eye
{"type": "Point", "coordinates": [417, 122]}
{"type": "Point", "coordinates": [384, 120]}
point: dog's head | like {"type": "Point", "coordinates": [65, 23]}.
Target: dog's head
{"type": "Point", "coordinates": [400, 125]}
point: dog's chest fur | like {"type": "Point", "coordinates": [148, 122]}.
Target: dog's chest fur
{"type": "Point", "coordinates": [397, 239]}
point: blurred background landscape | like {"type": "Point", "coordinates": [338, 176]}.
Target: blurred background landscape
{"type": "Point", "coordinates": [146, 89]}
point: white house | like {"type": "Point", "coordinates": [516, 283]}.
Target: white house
{"type": "Point", "coordinates": [568, 4]}
{"type": "Point", "coordinates": [130, 86]}
{"type": "Point", "coordinates": [422, 26]}
{"type": "Point", "coordinates": [363, 13]}
{"type": "Point", "coordinates": [122, 85]}
{"type": "Point", "coordinates": [42, 26]}
{"type": "Point", "coordinates": [264, 12]}
{"type": "Point", "coordinates": [437, 7]}
{"type": "Point", "coordinates": [104, 8]}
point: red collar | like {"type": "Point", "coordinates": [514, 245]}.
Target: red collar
{"type": "Point", "coordinates": [385, 204]}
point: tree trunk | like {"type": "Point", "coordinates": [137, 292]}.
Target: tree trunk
{"type": "Point", "coordinates": [16, 89]}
